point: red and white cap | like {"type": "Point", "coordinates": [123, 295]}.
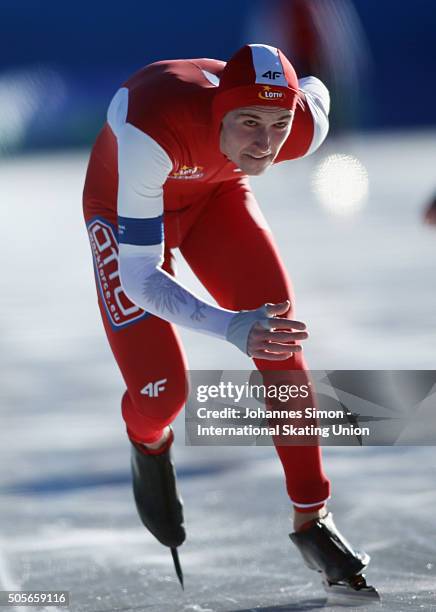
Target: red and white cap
{"type": "Point", "coordinates": [256, 75]}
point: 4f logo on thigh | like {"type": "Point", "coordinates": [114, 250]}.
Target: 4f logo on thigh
{"type": "Point", "coordinates": [152, 389]}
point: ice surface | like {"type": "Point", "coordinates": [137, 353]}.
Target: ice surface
{"type": "Point", "coordinates": [365, 287]}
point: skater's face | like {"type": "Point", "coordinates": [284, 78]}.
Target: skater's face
{"type": "Point", "coordinates": [252, 136]}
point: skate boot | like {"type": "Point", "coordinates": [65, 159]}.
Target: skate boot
{"type": "Point", "coordinates": [159, 505]}
{"type": "Point", "coordinates": [326, 551]}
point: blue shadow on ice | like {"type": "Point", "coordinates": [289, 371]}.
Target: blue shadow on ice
{"type": "Point", "coordinates": [299, 606]}
{"type": "Point", "coordinates": [65, 484]}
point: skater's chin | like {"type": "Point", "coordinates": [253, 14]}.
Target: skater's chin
{"type": "Point", "coordinates": [254, 166]}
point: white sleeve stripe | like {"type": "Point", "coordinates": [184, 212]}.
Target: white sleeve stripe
{"type": "Point", "coordinates": [212, 78]}
{"type": "Point", "coordinates": [133, 250]}
{"type": "Point", "coordinates": [143, 167]}
{"type": "Point", "coordinates": [320, 125]}
{"type": "Point", "coordinates": [117, 111]}
{"type": "Point", "coordinates": [318, 101]}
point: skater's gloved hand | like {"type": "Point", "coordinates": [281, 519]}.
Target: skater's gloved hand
{"type": "Point", "coordinates": [261, 334]}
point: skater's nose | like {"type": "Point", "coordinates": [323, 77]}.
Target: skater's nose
{"type": "Point", "coordinates": [262, 141]}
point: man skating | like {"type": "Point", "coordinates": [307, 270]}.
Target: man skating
{"type": "Point", "coordinates": [169, 170]}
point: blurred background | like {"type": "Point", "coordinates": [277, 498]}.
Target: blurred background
{"type": "Point", "coordinates": [349, 224]}
{"type": "Point", "coordinates": [59, 64]}
{"type": "Point", "coordinates": [362, 194]}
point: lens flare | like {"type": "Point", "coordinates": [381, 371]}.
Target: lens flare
{"type": "Point", "coordinates": [340, 183]}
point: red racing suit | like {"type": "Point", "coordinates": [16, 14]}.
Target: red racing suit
{"type": "Point", "coordinates": [156, 181]}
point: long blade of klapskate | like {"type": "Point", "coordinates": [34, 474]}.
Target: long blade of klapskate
{"type": "Point", "coordinates": [177, 566]}
{"type": "Point", "coordinates": [344, 593]}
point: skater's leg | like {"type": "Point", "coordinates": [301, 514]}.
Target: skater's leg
{"type": "Point", "coordinates": [151, 360]}
{"type": "Point", "coordinates": [232, 252]}
{"type": "Point", "coordinates": [146, 348]}
{"type": "Point", "coordinates": [161, 441]}
{"type": "Point", "coordinates": [302, 520]}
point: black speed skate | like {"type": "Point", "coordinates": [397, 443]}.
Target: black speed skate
{"type": "Point", "coordinates": [159, 505]}
{"type": "Point", "coordinates": [326, 551]}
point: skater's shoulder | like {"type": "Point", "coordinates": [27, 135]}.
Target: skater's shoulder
{"type": "Point", "coordinates": [174, 85]}
{"type": "Point", "coordinates": [171, 100]}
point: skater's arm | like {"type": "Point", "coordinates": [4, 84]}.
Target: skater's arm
{"type": "Point", "coordinates": [157, 292]}
{"type": "Point", "coordinates": [317, 98]}
{"type": "Point", "coordinates": [310, 125]}
{"type": "Point", "coordinates": [143, 167]}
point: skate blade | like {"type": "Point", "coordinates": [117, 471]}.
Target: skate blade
{"type": "Point", "coordinates": [343, 593]}
{"type": "Point", "coordinates": [177, 566]}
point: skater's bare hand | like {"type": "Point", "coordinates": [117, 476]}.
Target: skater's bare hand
{"type": "Point", "coordinates": [274, 338]}
{"type": "Point", "coordinates": [262, 334]}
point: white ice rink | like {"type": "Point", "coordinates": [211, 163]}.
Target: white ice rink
{"type": "Point", "coordinates": [365, 286]}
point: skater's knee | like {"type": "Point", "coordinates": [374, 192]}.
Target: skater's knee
{"type": "Point", "coordinates": [298, 362]}
{"type": "Point", "coordinates": [162, 407]}
{"type": "Point", "coordinates": [292, 369]}
{"type": "Point", "coordinates": [157, 404]}
{"type": "Point", "coordinates": [256, 297]}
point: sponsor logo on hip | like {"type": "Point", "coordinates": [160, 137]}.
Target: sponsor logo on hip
{"type": "Point", "coordinates": [120, 310]}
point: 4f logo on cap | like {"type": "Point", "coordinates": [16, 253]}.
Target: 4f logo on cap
{"type": "Point", "coordinates": [271, 74]}
{"type": "Point", "coordinates": [268, 93]}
